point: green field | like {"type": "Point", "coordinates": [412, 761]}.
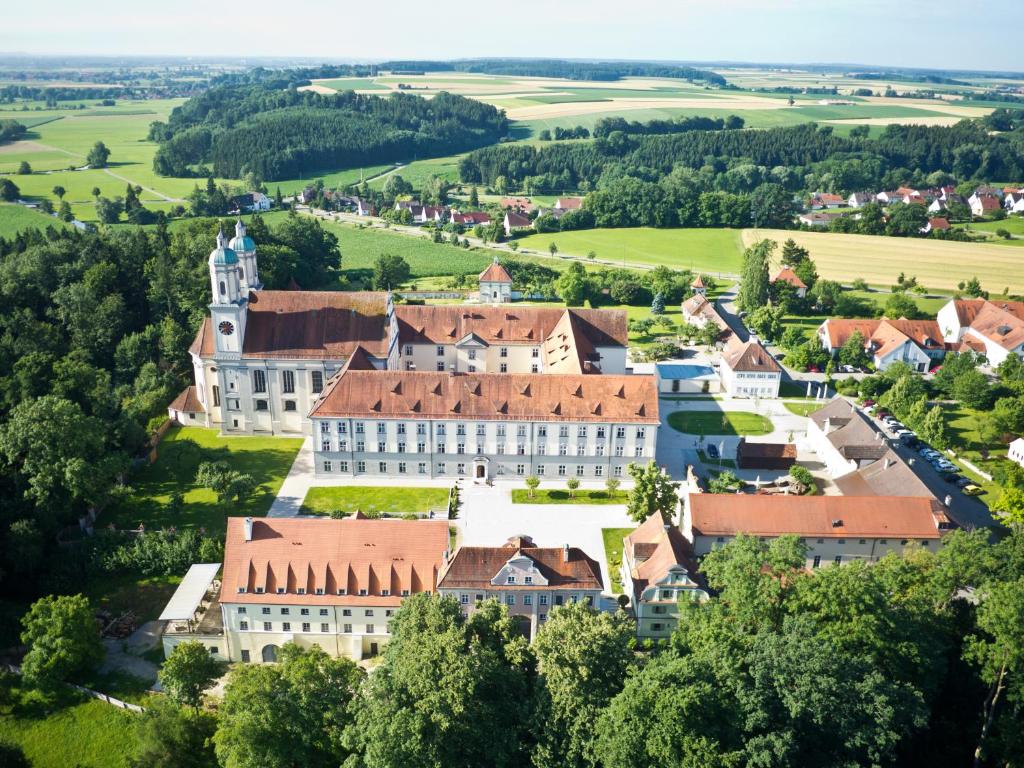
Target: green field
{"type": "Point", "coordinates": [331, 180]}
{"type": "Point", "coordinates": [560, 496]}
{"type": "Point", "coordinates": [419, 171]}
{"type": "Point", "coordinates": [712, 251]}
{"type": "Point", "coordinates": [352, 84]}
{"type": "Point", "coordinates": [391, 500]}
{"type": "Point", "coordinates": [267, 459]}
{"type": "Point", "coordinates": [16, 218]}
{"type": "Point", "coordinates": [719, 423]}
{"type": "Point", "coordinates": [613, 555]}
{"type": "Point", "coordinates": [65, 729]}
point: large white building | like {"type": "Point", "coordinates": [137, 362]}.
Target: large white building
{"type": "Point", "coordinates": [262, 358]}
{"type": "Point", "coordinates": [994, 329]}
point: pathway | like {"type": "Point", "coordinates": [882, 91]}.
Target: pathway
{"type": "Point", "coordinates": [125, 179]}
{"type": "Point", "coordinates": [293, 489]}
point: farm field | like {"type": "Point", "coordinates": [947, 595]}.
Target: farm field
{"type": "Point", "coordinates": [938, 265]}
{"type": "Point", "coordinates": [714, 251]}
{"type": "Point", "coordinates": [16, 218]}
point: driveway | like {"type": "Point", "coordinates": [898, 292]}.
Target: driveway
{"type": "Point", "coordinates": [489, 518]}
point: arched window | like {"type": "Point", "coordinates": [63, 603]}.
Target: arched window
{"type": "Point", "coordinates": [223, 288]}
{"type": "Point", "coordinates": [269, 654]}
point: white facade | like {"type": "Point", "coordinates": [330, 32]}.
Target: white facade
{"type": "Point", "coordinates": [750, 383]}
{"type": "Point", "coordinates": [1015, 452]}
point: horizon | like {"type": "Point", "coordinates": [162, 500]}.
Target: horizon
{"type": "Point", "coordinates": [735, 31]}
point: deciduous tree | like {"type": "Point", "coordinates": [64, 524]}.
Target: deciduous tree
{"type": "Point", "coordinates": [653, 492]}
{"type": "Point", "coordinates": [62, 639]}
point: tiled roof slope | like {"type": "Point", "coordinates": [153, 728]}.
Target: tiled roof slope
{"type": "Point", "coordinates": [563, 569]}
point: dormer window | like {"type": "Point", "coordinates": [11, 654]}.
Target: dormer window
{"type": "Point", "coordinates": [342, 591]}
{"type": "Point", "coordinates": [405, 593]}
{"type": "Point", "coordinates": [362, 592]}
{"type": "Point", "coordinates": [259, 590]}
{"type": "Point", "coordinates": [528, 579]}
{"type": "Point", "coordinates": [385, 592]}
{"type": "Point", "coordinates": [319, 590]}
{"type": "Point", "coordinates": [241, 590]}
{"type": "Point", "coordinates": [301, 590]}
{"type": "Point", "coordinates": [280, 590]}
{"type": "Point", "coordinates": [510, 580]}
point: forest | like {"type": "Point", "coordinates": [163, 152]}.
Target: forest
{"type": "Point", "coordinates": [571, 70]}
{"type": "Point", "coordinates": [231, 130]}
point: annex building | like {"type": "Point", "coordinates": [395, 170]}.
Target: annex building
{"type": "Point", "coordinates": [263, 360]}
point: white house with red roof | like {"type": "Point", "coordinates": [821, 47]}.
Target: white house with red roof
{"type": "Point", "coordinates": [787, 275]}
{"type": "Point", "coordinates": [918, 343]}
{"type": "Point", "coordinates": [495, 284]}
{"type": "Point", "coordinates": [994, 329]}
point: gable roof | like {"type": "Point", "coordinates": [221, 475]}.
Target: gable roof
{"type": "Point", "coordinates": [850, 431]}
{"type": "Point", "coordinates": [750, 356]}
{"type": "Point", "coordinates": [883, 335]}
{"type": "Point", "coordinates": [1001, 323]}
{"type": "Point", "coordinates": [517, 220]}
{"type": "Point", "coordinates": [562, 568]}
{"type": "Point", "coordinates": [489, 396]}
{"type": "Point", "coordinates": [787, 275]}
{"type": "Point", "coordinates": [895, 517]}
{"type": "Point", "coordinates": [495, 273]}
{"type": "Point", "coordinates": [187, 401]}
{"type": "Point", "coordinates": [889, 475]}
{"type": "Point", "coordinates": [352, 554]}
{"type": "Point", "coordinates": [652, 549]}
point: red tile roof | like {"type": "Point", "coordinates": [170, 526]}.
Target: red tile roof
{"type": "Point", "coordinates": [749, 356]}
{"type": "Point", "coordinates": [474, 567]}
{"type": "Point", "coordinates": [352, 554]}
{"type": "Point", "coordinates": [820, 516]}
{"type": "Point", "coordinates": [938, 223]}
{"type": "Point", "coordinates": [517, 220]}
{"type": "Point", "coordinates": [653, 548]}
{"type": "Point", "coordinates": [490, 396]}
{"type": "Point", "coordinates": [495, 273]}
{"type": "Point", "coordinates": [568, 203]}
{"type": "Point", "coordinates": [187, 401]}
{"type": "Point", "coordinates": [787, 275]}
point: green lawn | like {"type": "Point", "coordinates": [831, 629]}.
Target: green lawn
{"type": "Point", "coordinates": [962, 425]}
{"type": "Point", "coordinates": [16, 218]}
{"type": "Point", "coordinates": [559, 496]}
{"type": "Point", "coordinates": [730, 463]}
{"type": "Point", "coordinates": [802, 409]}
{"type": "Point", "coordinates": [267, 459]}
{"type": "Point", "coordinates": [719, 423]}
{"type": "Point", "coordinates": [419, 171]}
{"type": "Point", "coordinates": [121, 592]}
{"type": "Point", "coordinates": [714, 251]}
{"type": "Point", "coordinates": [613, 554]}
{"type": "Point", "coordinates": [391, 500]}
{"type": "Point", "coordinates": [65, 729]}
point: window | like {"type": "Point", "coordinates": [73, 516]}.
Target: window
{"type": "Point", "coordinates": [460, 469]}
{"type": "Point", "coordinates": [362, 592]}
{"type": "Point", "coordinates": [656, 626]}
{"type": "Point", "coordinates": [342, 428]}
{"type": "Point", "coordinates": [600, 433]}
{"type": "Point", "coordinates": [581, 450]}
{"type": "Point", "coordinates": [323, 611]}
{"type": "Point", "coordinates": [265, 611]}
{"type": "Point", "coordinates": [305, 626]}
{"type": "Point", "coordinates": [561, 470]}
{"type": "Point", "coordinates": [620, 433]}
{"type": "Point", "coordinates": [563, 431]}
{"type": "Point", "coordinates": [369, 629]}
{"type": "Point", "coordinates": [460, 430]}
{"type": "Point", "coordinates": [502, 367]}
{"type": "Point", "coordinates": [464, 599]}
{"type": "Point", "coordinates": [405, 593]}
{"type": "Point", "coordinates": [441, 468]}
{"type": "Point", "coordinates": [242, 610]}
{"type": "Point", "coordinates": [244, 625]}
{"type": "Point", "coordinates": [360, 467]}
{"type": "Point", "coordinates": [563, 449]}
{"type": "Point", "coordinates": [346, 611]}
{"type": "Point", "coordinates": [618, 450]}
{"type": "Point", "coordinates": [534, 368]}
{"type": "Point", "coordinates": [481, 430]}
{"type": "Point", "coordinates": [368, 612]}
{"type": "Point", "coordinates": [305, 611]}
{"type": "Point", "coordinates": [359, 427]}
{"type": "Point", "coordinates": [401, 428]}
{"type": "Point", "coordinates": [640, 433]}
{"type": "Point", "coordinates": [579, 470]}
{"type": "Point", "coordinates": [216, 396]}
{"type": "Point", "coordinates": [440, 448]}
{"type": "Point", "coordinates": [327, 627]}
{"type": "Point", "coordinates": [440, 366]}
{"type": "Point", "coordinates": [245, 657]}
{"type": "Point", "coordinates": [401, 467]}
{"type": "Point", "coordinates": [316, 381]}
{"type": "Point", "coordinates": [520, 469]}
{"type": "Point", "coordinates": [510, 599]}
{"type": "Point", "coordinates": [581, 432]}
{"type": "Point", "coordinates": [460, 448]}
{"type": "Point", "coordinates": [501, 430]}
{"type": "Point", "coordinates": [542, 449]}
{"type": "Point", "coordinates": [817, 561]}
{"type": "Point", "coordinates": [421, 428]}
{"type": "Point", "coordinates": [528, 579]}
{"type": "Point", "coordinates": [542, 430]}
{"type": "Point", "coordinates": [440, 351]}
{"type": "Point", "coordinates": [421, 468]}
{"type": "Point", "coordinates": [472, 354]}
{"type": "Point", "coordinates": [558, 599]}
{"type": "Point", "coordinates": [599, 450]}
{"type": "Point", "coordinates": [527, 599]}
{"type": "Point", "coordinates": [382, 428]}
{"type": "Point", "coordinates": [639, 450]}
{"type": "Point", "coordinates": [346, 628]}
{"type": "Point", "coordinates": [441, 429]}
{"type": "Point", "coordinates": [261, 405]}
{"type": "Point", "coordinates": [382, 467]}
{"type": "Point", "coordinates": [540, 468]}
{"type": "Point", "coordinates": [421, 447]}
{"type": "Point", "coordinates": [266, 626]}
{"type": "Point", "coordinates": [503, 352]}
{"type": "Point", "coordinates": [510, 579]}
{"type": "Point", "coordinates": [543, 599]}
{"type": "Point", "coordinates": [408, 349]}
{"type": "Point", "coordinates": [343, 445]}
{"type": "Point", "coordinates": [288, 381]}
{"type": "Point", "coordinates": [839, 559]}
{"type": "Point", "coordinates": [259, 381]}
{"type": "Point", "coordinates": [480, 448]}
{"type": "Point", "coordinates": [535, 352]}
{"type": "Point", "coordinates": [599, 470]}
{"type": "Point", "coordinates": [280, 591]}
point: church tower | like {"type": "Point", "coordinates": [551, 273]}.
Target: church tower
{"type": "Point", "coordinates": [227, 310]}
{"type": "Point", "coordinates": [245, 249]}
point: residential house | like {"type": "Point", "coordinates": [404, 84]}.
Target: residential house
{"type": "Point", "coordinates": [658, 572]}
{"type": "Point", "coordinates": [860, 199]}
{"type": "Point", "coordinates": [1014, 201]}
{"type": "Point", "coordinates": [568, 203]}
{"type": "Point", "coordinates": [470, 219]}
{"type": "Point", "coordinates": [818, 219]}
{"type": "Point", "coordinates": [516, 222]}
{"type": "Point", "coordinates": [822, 200]}
{"type": "Point", "coordinates": [251, 202]}
{"type": "Point", "coordinates": [495, 284]}
{"type": "Point", "coordinates": [787, 275]}
{"type": "Point", "coordinates": [699, 311]}
{"type": "Point", "coordinates": [749, 370]}
{"type": "Point", "coordinates": [365, 208]}
{"type": "Point", "coordinates": [935, 223]}
{"type": "Point", "coordinates": [187, 409]}
{"type": "Point", "coordinates": [528, 580]}
{"type": "Point", "coordinates": [844, 439]}
{"type": "Point", "coordinates": [1015, 451]}
{"type": "Point", "coordinates": [993, 329]}
{"type": "Point", "coordinates": [984, 205]}
{"type": "Point", "coordinates": [918, 343]}
{"type": "Point", "coordinates": [335, 584]}
{"type": "Point", "coordinates": [836, 529]}
{"type": "Point", "coordinates": [519, 204]}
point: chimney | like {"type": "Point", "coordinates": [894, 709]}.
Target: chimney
{"type": "Point", "coordinates": [248, 529]}
{"type": "Point", "coordinates": [565, 553]}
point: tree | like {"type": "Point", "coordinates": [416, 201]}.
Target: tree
{"type": "Point", "coordinates": [583, 657]}
{"type": "Point", "coordinates": [906, 220]}
{"type": "Point", "coordinates": [167, 736]}
{"type": "Point", "coordinates": [12, 756]}
{"type": "Point", "coordinates": [853, 352]}
{"type": "Point", "coordinates": [390, 271]}
{"type": "Point", "coordinates": [766, 322]}
{"type": "Point", "coordinates": [227, 483]}
{"type": "Point", "coordinates": [725, 481]}
{"type": "Point", "coordinates": [658, 304]}
{"type": "Point", "coordinates": [932, 429]}
{"type": "Point", "coordinates": [9, 191]}
{"type": "Point", "coordinates": [474, 197]}
{"type": "Point", "coordinates": [64, 212]}
{"type": "Point", "coordinates": [96, 193]}
{"type": "Point", "coordinates": [290, 714]}
{"type": "Point", "coordinates": [109, 211]}
{"type": "Point", "coordinates": [754, 276]}
{"type": "Point", "coordinates": [24, 169]}
{"type": "Point", "coordinates": [98, 155]}
{"type": "Point", "coordinates": [792, 337]}
{"type": "Point", "coordinates": [188, 672]}
{"type": "Point", "coordinates": [972, 389]}
{"type": "Point", "coordinates": [553, 248]}
{"type": "Point", "coordinates": [62, 637]}
{"type": "Point", "coordinates": [450, 690]}
{"type": "Point", "coordinates": [998, 649]}
{"type": "Point", "coordinates": [770, 206]}
{"type": "Point", "coordinates": [1009, 414]}
{"type": "Point", "coordinates": [571, 285]}
{"type": "Point", "coordinates": [653, 492]}
{"type": "Point", "coordinates": [611, 484]}
{"type": "Point", "coordinates": [899, 305]}
{"type": "Point", "coordinates": [573, 483]}
{"type": "Point", "coordinates": [802, 475]}
{"type": "Point", "coordinates": [907, 390]}
{"type": "Point", "coordinates": [532, 484]}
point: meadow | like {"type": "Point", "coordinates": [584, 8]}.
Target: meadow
{"type": "Point", "coordinates": [712, 251]}
{"type": "Point", "coordinates": [938, 265]}
{"type": "Point", "coordinates": [15, 218]}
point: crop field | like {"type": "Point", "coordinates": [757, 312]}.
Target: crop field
{"type": "Point", "coordinates": [938, 265]}
{"type": "Point", "coordinates": [714, 251]}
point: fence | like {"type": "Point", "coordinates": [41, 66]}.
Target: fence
{"type": "Point", "coordinates": [89, 692]}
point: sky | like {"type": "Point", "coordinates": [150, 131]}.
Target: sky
{"type": "Point", "coordinates": [909, 33]}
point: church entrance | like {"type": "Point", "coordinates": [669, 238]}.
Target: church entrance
{"type": "Point", "coordinates": [481, 471]}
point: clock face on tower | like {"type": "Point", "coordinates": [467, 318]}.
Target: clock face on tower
{"type": "Point", "coordinates": [226, 328]}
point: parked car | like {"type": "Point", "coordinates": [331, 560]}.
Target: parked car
{"type": "Point", "coordinates": [950, 477]}
{"type": "Point", "coordinates": [971, 490]}
{"type": "Point", "coordinates": [910, 440]}
{"type": "Point", "coordinates": [928, 451]}
{"type": "Point", "coordinates": [848, 369]}
{"type": "Point", "coordinates": [712, 451]}
{"type": "Point", "coordinates": [869, 401]}
{"type": "Point", "coordinates": [963, 482]}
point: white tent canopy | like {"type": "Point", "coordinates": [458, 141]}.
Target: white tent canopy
{"type": "Point", "coordinates": [190, 593]}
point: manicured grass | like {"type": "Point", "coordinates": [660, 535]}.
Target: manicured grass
{"type": "Point", "coordinates": [392, 500]}
{"type": "Point", "coordinates": [938, 265]}
{"type": "Point", "coordinates": [719, 423]}
{"type": "Point", "coordinates": [267, 459]}
{"type": "Point", "coordinates": [613, 555]}
{"type": "Point", "coordinates": [713, 251]}
{"type": "Point", "coordinates": [560, 496]}
{"type": "Point", "coordinates": [802, 409]}
{"type": "Point", "coordinates": [65, 729]}
{"type": "Point", "coordinates": [17, 218]}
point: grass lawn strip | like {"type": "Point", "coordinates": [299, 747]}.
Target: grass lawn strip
{"type": "Point", "coordinates": [720, 423]}
{"type": "Point", "coordinates": [613, 555]}
{"type": "Point", "coordinates": [559, 496]}
{"type": "Point", "coordinates": [391, 500]}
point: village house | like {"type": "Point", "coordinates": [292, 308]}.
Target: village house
{"type": "Point", "coordinates": [818, 219]}
{"type": "Point", "coordinates": [1015, 451]}
{"type": "Point", "coordinates": [516, 222]}
{"type": "Point", "coordinates": [495, 284]}
{"type": "Point", "coordinates": [528, 580]}
{"type": "Point", "coordinates": [749, 370]}
{"type": "Point", "coordinates": [470, 219]}
{"type": "Point", "coordinates": [251, 202]}
{"type": "Point", "coordinates": [860, 199]}
{"type": "Point", "coordinates": [993, 329]}
{"type": "Point", "coordinates": [836, 529]}
{"type": "Point", "coordinates": [658, 572]}
{"type": "Point", "coordinates": [823, 200]}
{"type": "Point", "coordinates": [519, 204]}
{"type": "Point", "coordinates": [983, 204]}
{"type": "Point", "coordinates": [844, 439]}
{"type": "Point", "coordinates": [335, 584]}
{"type": "Point", "coordinates": [787, 275]}
{"type": "Point", "coordinates": [568, 203]}
{"type": "Point", "coordinates": [1014, 201]}
{"type": "Point", "coordinates": [935, 223]}
{"type": "Point", "coordinates": [365, 208]}
{"type": "Point", "coordinates": [918, 343]}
